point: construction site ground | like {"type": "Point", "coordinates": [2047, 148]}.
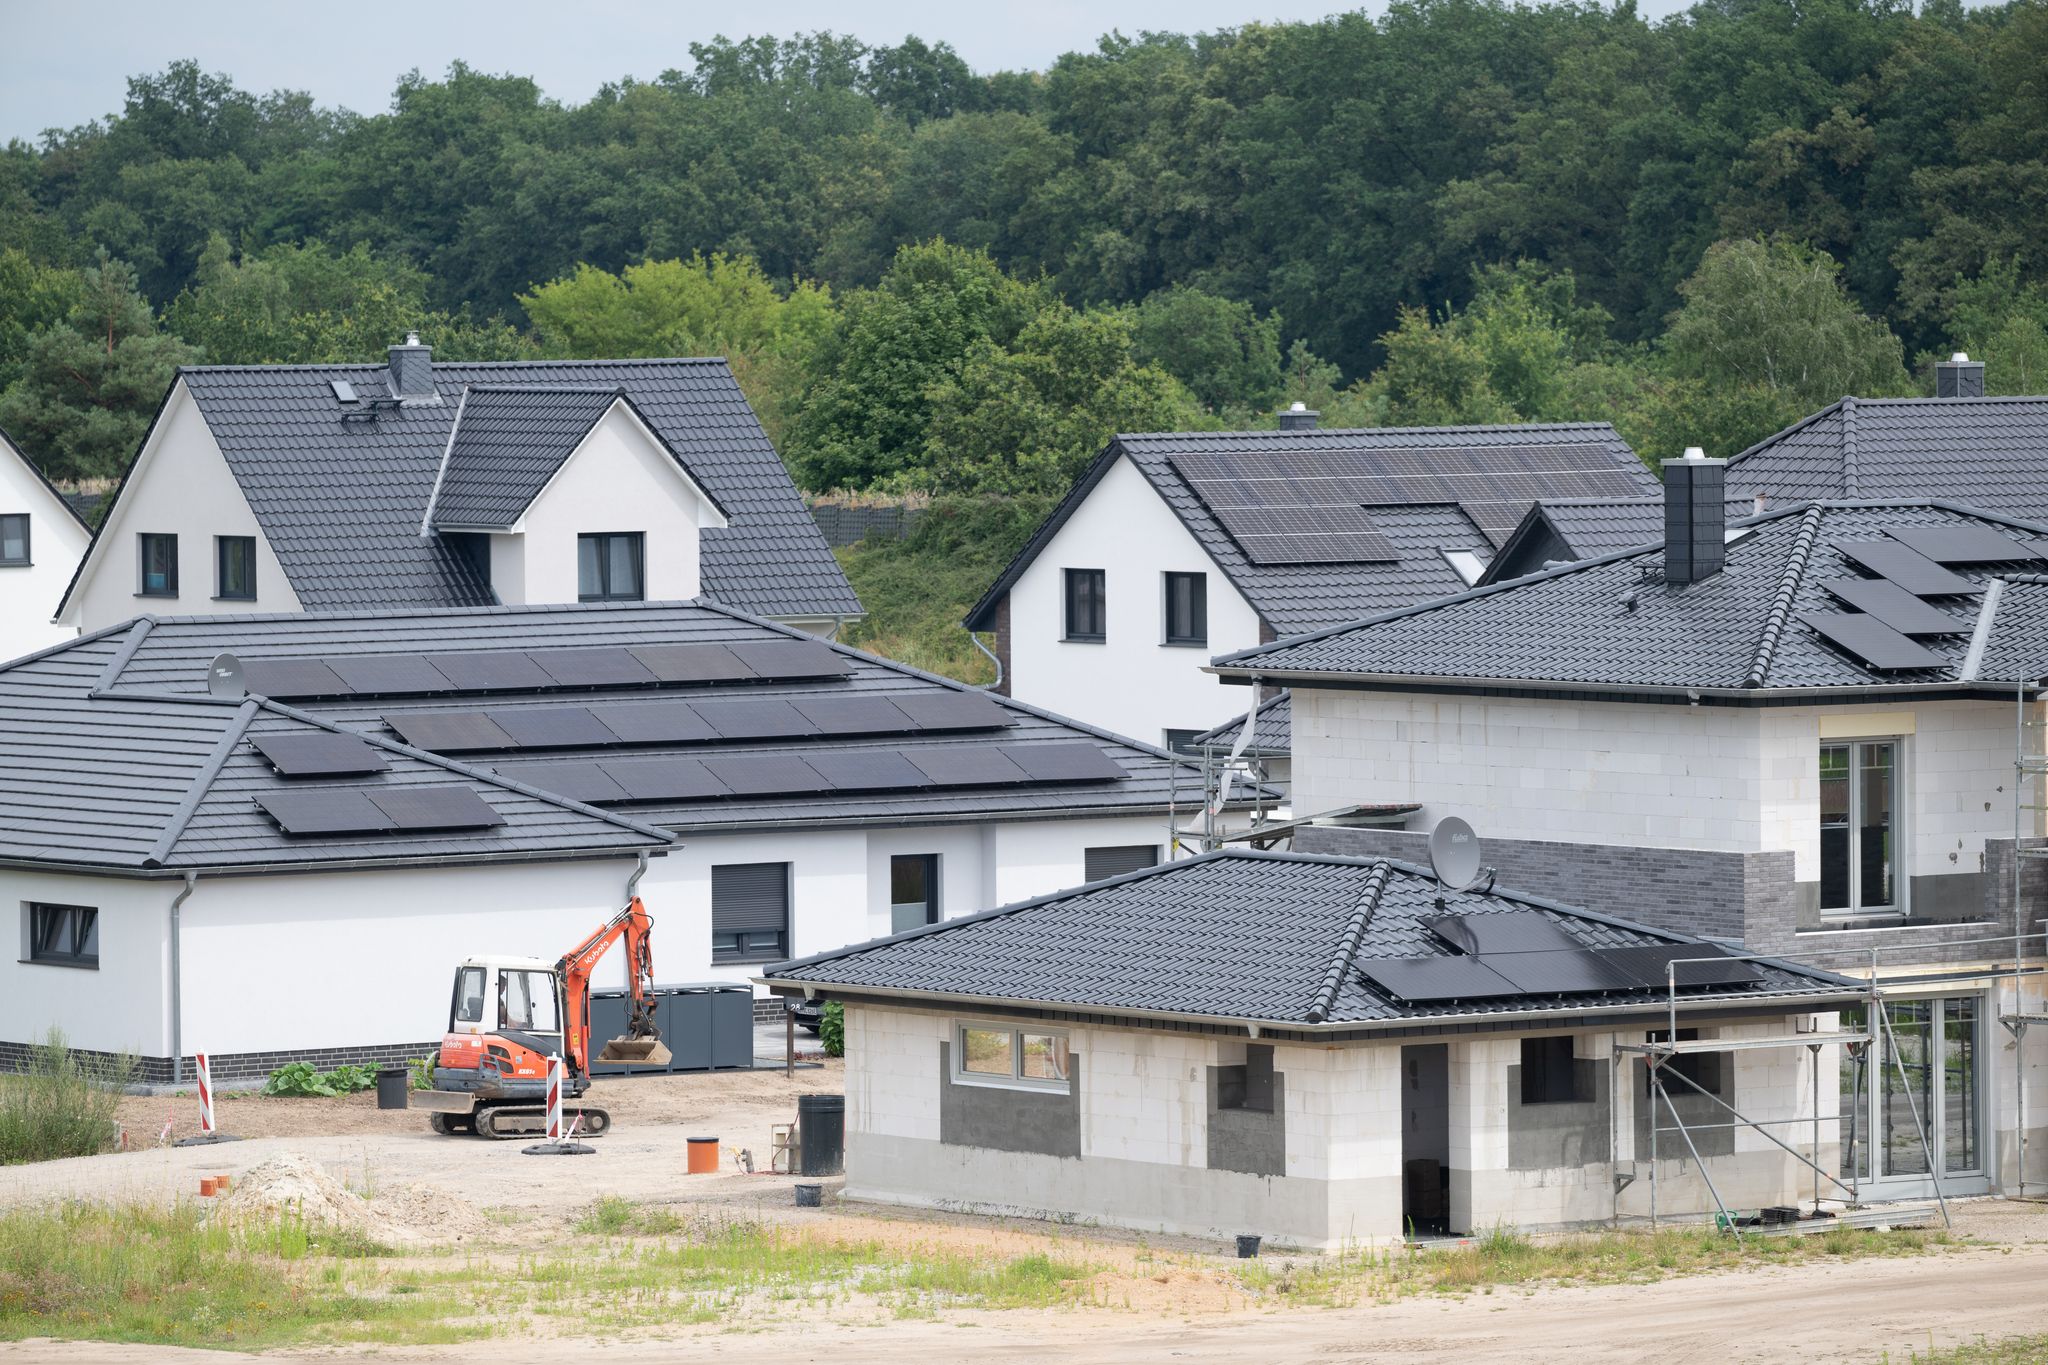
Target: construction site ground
{"type": "Point", "coordinates": [477, 1203]}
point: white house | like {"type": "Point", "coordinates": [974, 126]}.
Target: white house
{"type": "Point", "coordinates": [278, 488]}
{"type": "Point", "coordinates": [1173, 547]}
{"type": "Point", "coordinates": [1325, 1052]}
{"type": "Point", "coordinates": [1804, 738]}
{"type": "Point", "coordinates": [41, 539]}
{"type": "Point", "coordinates": [184, 881]}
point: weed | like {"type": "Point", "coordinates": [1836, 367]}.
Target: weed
{"type": "Point", "coordinates": [62, 1105]}
{"type": "Point", "coordinates": [2028, 1350]}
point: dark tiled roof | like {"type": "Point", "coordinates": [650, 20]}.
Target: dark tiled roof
{"type": "Point", "coordinates": [1558, 531]}
{"type": "Point", "coordinates": [1985, 452]}
{"type": "Point", "coordinates": [173, 655]}
{"type": "Point", "coordinates": [1274, 733]}
{"type": "Point", "coordinates": [507, 443]}
{"type": "Point", "coordinates": [1613, 623]}
{"type": "Point", "coordinates": [1298, 597]}
{"type": "Point", "coordinates": [79, 505]}
{"type": "Point", "coordinates": [342, 502]}
{"type": "Point", "coordinates": [1268, 938]}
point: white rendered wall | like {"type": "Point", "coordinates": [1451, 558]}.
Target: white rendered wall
{"type": "Point", "coordinates": [181, 486]}
{"type": "Point", "coordinates": [29, 593]}
{"type": "Point", "coordinates": [122, 1006]}
{"type": "Point", "coordinates": [619, 479]}
{"type": "Point", "coordinates": [1132, 683]}
{"type": "Point", "coordinates": [1034, 857]}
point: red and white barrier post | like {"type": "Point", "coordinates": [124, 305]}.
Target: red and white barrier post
{"type": "Point", "coordinates": [555, 1099]}
{"type": "Point", "coordinates": [206, 1128]}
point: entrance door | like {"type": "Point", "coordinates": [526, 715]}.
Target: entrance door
{"type": "Point", "coordinates": [1426, 1139]}
{"type": "Point", "coordinates": [1929, 1069]}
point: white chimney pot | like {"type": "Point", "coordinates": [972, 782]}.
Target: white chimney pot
{"type": "Point", "coordinates": [1695, 453]}
{"type": "Point", "coordinates": [1961, 358]}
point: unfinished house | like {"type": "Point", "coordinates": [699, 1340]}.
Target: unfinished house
{"type": "Point", "coordinates": [1819, 737]}
{"type": "Point", "coordinates": [1322, 1051]}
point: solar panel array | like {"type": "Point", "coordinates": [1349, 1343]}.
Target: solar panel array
{"type": "Point", "coordinates": [515, 670]}
{"type": "Point", "coordinates": [600, 782]}
{"type": "Point", "coordinates": [1312, 506]}
{"type": "Point", "coordinates": [382, 810]}
{"type": "Point", "coordinates": [1910, 564]}
{"type": "Point", "coordinates": [320, 755]}
{"type": "Point", "coordinates": [617, 724]}
{"type": "Point", "coordinates": [1525, 952]}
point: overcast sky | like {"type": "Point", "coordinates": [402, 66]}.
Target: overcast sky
{"type": "Point", "coordinates": [62, 64]}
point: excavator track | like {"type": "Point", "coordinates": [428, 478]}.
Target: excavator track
{"type": "Point", "coordinates": [507, 1121]}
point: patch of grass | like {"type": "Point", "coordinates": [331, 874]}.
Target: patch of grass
{"type": "Point", "coordinates": [2029, 1350]}
{"type": "Point", "coordinates": [612, 1216]}
{"type": "Point", "coordinates": [63, 1105]}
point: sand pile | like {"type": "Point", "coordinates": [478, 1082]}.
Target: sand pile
{"type": "Point", "coordinates": [434, 1214]}
{"type": "Point", "coordinates": [290, 1184]}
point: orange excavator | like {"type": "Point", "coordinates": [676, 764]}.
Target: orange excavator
{"type": "Point", "coordinates": [510, 1014]}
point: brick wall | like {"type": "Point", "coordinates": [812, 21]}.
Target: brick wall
{"type": "Point", "coordinates": [238, 1067]}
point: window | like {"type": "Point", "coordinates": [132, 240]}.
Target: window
{"type": "Point", "coordinates": [913, 891]}
{"type": "Point", "coordinates": [1087, 612]}
{"type": "Point", "coordinates": [1859, 835]}
{"type": "Point", "coordinates": [1250, 1085]}
{"type": "Point", "coordinates": [159, 555]}
{"type": "Point", "coordinates": [1465, 565]}
{"type": "Point", "coordinates": [62, 935]}
{"type": "Point", "coordinates": [469, 995]}
{"type": "Point", "coordinates": [1182, 741]}
{"type": "Point", "coordinates": [1118, 859]}
{"type": "Point", "coordinates": [1187, 609]}
{"type": "Point", "coordinates": [608, 567]}
{"type": "Point", "coordinates": [1548, 1075]}
{"type": "Point", "coordinates": [526, 1001]}
{"type": "Point", "coordinates": [234, 563]}
{"type": "Point", "coordinates": [1024, 1058]}
{"type": "Point", "coordinates": [14, 538]}
{"type": "Point", "coordinates": [750, 912]}
{"type": "Point", "coordinates": [1703, 1069]}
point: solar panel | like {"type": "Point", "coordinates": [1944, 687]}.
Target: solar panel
{"type": "Point", "coordinates": [948, 710]}
{"type": "Point", "coordinates": [966, 765]}
{"type": "Point", "coordinates": [1307, 535]}
{"type": "Point", "coordinates": [1872, 641]}
{"type": "Point", "coordinates": [653, 722]}
{"type": "Point", "coordinates": [506, 670]}
{"type": "Point", "coordinates": [386, 674]}
{"type": "Point", "coordinates": [449, 731]}
{"type": "Point", "coordinates": [854, 716]}
{"type": "Point", "coordinates": [663, 779]}
{"type": "Point", "coordinates": [579, 781]}
{"type": "Point", "coordinates": [1647, 963]}
{"type": "Point", "coordinates": [1573, 971]}
{"type": "Point", "coordinates": [1508, 931]}
{"type": "Point", "coordinates": [291, 678]}
{"type": "Point", "coordinates": [325, 810]}
{"type": "Point", "coordinates": [766, 774]}
{"type": "Point", "coordinates": [1961, 544]}
{"type": "Point", "coordinates": [1064, 762]}
{"type": "Point", "coordinates": [436, 808]}
{"type": "Point", "coordinates": [1907, 567]}
{"type": "Point", "coordinates": [860, 770]}
{"type": "Point", "coordinates": [790, 658]}
{"type": "Point", "coordinates": [592, 667]}
{"type": "Point", "coordinates": [553, 727]}
{"type": "Point", "coordinates": [1896, 607]}
{"type": "Point", "coordinates": [318, 755]}
{"type": "Point", "coordinates": [754, 719]}
{"type": "Point", "coordinates": [691, 663]}
{"type": "Point", "coordinates": [1427, 979]}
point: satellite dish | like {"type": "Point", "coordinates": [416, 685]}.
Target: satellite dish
{"type": "Point", "coordinates": [1454, 854]}
{"type": "Point", "coordinates": [224, 678]}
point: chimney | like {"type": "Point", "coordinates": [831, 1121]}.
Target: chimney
{"type": "Point", "coordinates": [1299, 417]}
{"type": "Point", "coordinates": [1693, 517]}
{"type": "Point", "coordinates": [412, 370]}
{"type": "Point", "coordinates": [1959, 377]}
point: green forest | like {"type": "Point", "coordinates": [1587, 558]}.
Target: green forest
{"type": "Point", "coordinates": [940, 282]}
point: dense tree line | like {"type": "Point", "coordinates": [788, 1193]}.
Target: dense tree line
{"type": "Point", "coordinates": [937, 279]}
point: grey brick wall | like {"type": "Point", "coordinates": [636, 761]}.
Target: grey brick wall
{"type": "Point", "coordinates": [240, 1067]}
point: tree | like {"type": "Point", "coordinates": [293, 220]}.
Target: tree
{"type": "Point", "coordinates": [2003, 323]}
{"type": "Point", "coordinates": [33, 298]}
{"type": "Point", "coordinates": [1226, 354]}
{"type": "Point", "coordinates": [89, 385]}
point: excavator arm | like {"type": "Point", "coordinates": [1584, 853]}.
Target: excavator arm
{"type": "Point", "coordinates": [641, 1041]}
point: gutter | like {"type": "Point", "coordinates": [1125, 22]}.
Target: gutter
{"type": "Point", "coordinates": [178, 980]}
{"type": "Point", "coordinates": [1387, 682]}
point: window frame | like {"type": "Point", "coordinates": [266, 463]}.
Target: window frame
{"type": "Point", "coordinates": [1185, 745]}
{"type": "Point", "coordinates": [743, 953]}
{"type": "Point", "coordinates": [32, 954]}
{"type": "Point", "coordinates": [1099, 578]}
{"type": "Point", "coordinates": [1108, 849]}
{"type": "Point", "coordinates": [1016, 1079]}
{"type": "Point", "coordinates": [1198, 611]}
{"type": "Point", "coordinates": [220, 569]}
{"type": "Point", "coordinates": [142, 541]}
{"type": "Point", "coordinates": [27, 560]}
{"type": "Point", "coordinates": [638, 539]}
{"type": "Point", "coordinates": [933, 913]}
{"type": "Point", "coordinates": [1709, 1070]}
{"type": "Point", "coordinates": [1856, 909]}
{"type": "Point", "coordinates": [1247, 1087]}
{"type": "Point", "coordinates": [1549, 1072]}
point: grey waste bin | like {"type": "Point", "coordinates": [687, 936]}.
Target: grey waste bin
{"type": "Point", "coordinates": [708, 1026]}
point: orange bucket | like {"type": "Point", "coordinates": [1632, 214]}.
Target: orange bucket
{"type": "Point", "coordinates": [223, 1183]}
{"type": "Point", "coordinates": [704, 1156]}
{"type": "Point", "coordinates": [207, 1186]}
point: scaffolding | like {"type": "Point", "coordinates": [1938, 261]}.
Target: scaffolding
{"type": "Point", "coordinates": [2029, 762]}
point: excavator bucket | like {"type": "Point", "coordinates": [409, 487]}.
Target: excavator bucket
{"type": "Point", "coordinates": [641, 1051]}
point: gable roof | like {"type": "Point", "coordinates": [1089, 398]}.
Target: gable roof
{"type": "Point", "coordinates": [1273, 736]}
{"type": "Point", "coordinates": [1611, 625]}
{"type": "Point", "coordinates": [1987, 452]}
{"type": "Point", "coordinates": [61, 498]}
{"type": "Point", "coordinates": [1280, 940]}
{"type": "Point", "coordinates": [341, 494]}
{"type": "Point", "coordinates": [1293, 597]}
{"type": "Point", "coordinates": [1574, 528]}
{"type": "Point", "coordinates": [849, 714]}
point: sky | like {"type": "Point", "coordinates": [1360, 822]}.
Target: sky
{"type": "Point", "coordinates": [59, 68]}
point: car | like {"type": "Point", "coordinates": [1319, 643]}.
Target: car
{"type": "Point", "coordinates": [810, 1014]}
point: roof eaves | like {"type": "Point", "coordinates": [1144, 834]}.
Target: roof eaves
{"type": "Point", "coordinates": [1809, 420]}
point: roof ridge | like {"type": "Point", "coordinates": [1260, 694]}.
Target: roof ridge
{"type": "Point", "coordinates": [202, 783]}
{"type": "Point", "coordinates": [1381, 431]}
{"type": "Point", "coordinates": [1781, 601]}
{"type": "Point", "coordinates": [1850, 484]}
{"type": "Point", "coordinates": [1347, 946]}
{"type": "Point", "coordinates": [455, 364]}
{"type": "Point", "coordinates": [1810, 419]}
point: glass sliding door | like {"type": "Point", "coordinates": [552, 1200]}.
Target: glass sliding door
{"type": "Point", "coordinates": [1906, 1086]}
{"type": "Point", "coordinates": [1931, 1062]}
{"type": "Point", "coordinates": [1960, 1103]}
{"type": "Point", "coordinates": [1859, 833]}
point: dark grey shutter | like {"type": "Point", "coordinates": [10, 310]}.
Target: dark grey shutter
{"type": "Point", "coordinates": [1118, 859]}
{"type": "Point", "coordinates": [1258, 1077]}
{"type": "Point", "coordinates": [749, 897]}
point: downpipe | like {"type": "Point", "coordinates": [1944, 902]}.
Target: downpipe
{"type": "Point", "coordinates": [997, 685]}
{"type": "Point", "coordinates": [177, 979]}
{"type": "Point", "coordinates": [633, 882]}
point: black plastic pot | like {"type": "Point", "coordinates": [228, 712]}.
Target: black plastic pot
{"type": "Point", "coordinates": [1247, 1245]}
{"type": "Point", "coordinates": [394, 1086]}
{"type": "Point", "coordinates": [810, 1196]}
{"type": "Point", "coordinates": [821, 1121]}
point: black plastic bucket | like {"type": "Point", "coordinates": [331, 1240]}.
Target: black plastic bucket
{"type": "Point", "coordinates": [821, 1123]}
{"type": "Point", "coordinates": [394, 1087]}
{"type": "Point", "coordinates": [810, 1196]}
{"type": "Point", "coordinates": [1247, 1245]}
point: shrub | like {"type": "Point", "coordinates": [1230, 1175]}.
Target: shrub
{"type": "Point", "coordinates": [62, 1105]}
{"type": "Point", "coordinates": [832, 1028]}
{"type": "Point", "coordinates": [300, 1079]}
{"type": "Point", "coordinates": [348, 1078]}
{"type": "Point", "coordinates": [422, 1069]}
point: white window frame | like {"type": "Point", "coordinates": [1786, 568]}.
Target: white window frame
{"type": "Point", "coordinates": [1902, 881]}
{"type": "Point", "coordinates": [1016, 1080]}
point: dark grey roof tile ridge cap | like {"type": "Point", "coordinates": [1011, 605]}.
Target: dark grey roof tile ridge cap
{"type": "Point", "coordinates": [1640, 499]}
{"type": "Point", "coordinates": [1455, 428]}
{"type": "Point", "coordinates": [1347, 942]}
{"type": "Point", "coordinates": [1809, 420]}
{"type": "Point", "coordinates": [591, 389]}
{"type": "Point", "coordinates": [201, 784]}
{"type": "Point", "coordinates": [403, 613]}
{"type": "Point", "coordinates": [139, 631]}
{"type": "Point", "coordinates": [461, 769]}
{"type": "Point", "coordinates": [373, 365]}
{"type": "Point", "coordinates": [441, 470]}
{"type": "Point", "coordinates": [7, 439]}
{"type": "Point", "coordinates": [1849, 483]}
{"type": "Point", "coordinates": [38, 655]}
{"type": "Point", "coordinates": [1780, 610]}
{"type": "Point", "coordinates": [995, 912]}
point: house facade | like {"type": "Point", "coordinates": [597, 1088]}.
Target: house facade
{"type": "Point", "coordinates": [41, 539]}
